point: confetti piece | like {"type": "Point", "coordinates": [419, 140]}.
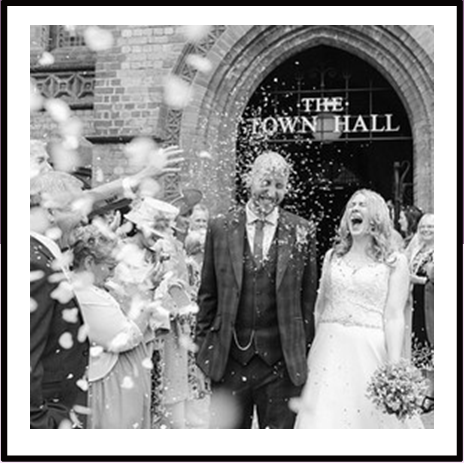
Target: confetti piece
{"type": "Point", "coordinates": [177, 92]}
{"type": "Point", "coordinates": [127, 382]}
{"type": "Point", "coordinates": [82, 384]}
{"type": "Point", "coordinates": [63, 293]}
{"type": "Point", "coordinates": [195, 33]}
{"type": "Point", "coordinates": [70, 315]}
{"type": "Point", "coordinates": [46, 59]}
{"type": "Point", "coordinates": [65, 340]}
{"type": "Point", "coordinates": [98, 39]}
{"type": "Point", "coordinates": [199, 63]}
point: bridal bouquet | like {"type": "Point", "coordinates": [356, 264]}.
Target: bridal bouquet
{"type": "Point", "coordinates": [398, 389]}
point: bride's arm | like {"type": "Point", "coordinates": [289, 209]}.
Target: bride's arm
{"type": "Point", "coordinates": [321, 298]}
{"type": "Point", "coordinates": [394, 321]}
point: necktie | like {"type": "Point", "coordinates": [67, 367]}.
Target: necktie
{"type": "Point", "coordinates": [258, 241]}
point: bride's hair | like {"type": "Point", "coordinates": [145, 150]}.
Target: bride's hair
{"type": "Point", "coordinates": [381, 228]}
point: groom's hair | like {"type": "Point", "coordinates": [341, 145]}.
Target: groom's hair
{"type": "Point", "coordinates": [269, 161]}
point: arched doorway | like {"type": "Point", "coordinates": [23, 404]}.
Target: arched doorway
{"type": "Point", "coordinates": [339, 123]}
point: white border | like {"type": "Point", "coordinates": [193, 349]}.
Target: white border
{"type": "Point", "coordinates": [440, 441]}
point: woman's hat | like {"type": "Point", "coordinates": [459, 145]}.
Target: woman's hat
{"type": "Point", "coordinates": [148, 209]}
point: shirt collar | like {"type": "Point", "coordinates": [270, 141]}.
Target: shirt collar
{"type": "Point", "coordinates": [271, 218]}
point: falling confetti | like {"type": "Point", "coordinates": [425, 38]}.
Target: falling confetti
{"type": "Point", "coordinates": [199, 63]}
{"type": "Point", "coordinates": [63, 293]}
{"type": "Point", "coordinates": [96, 351]}
{"type": "Point", "coordinates": [127, 383]}
{"type": "Point", "coordinates": [66, 340]}
{"type": "Point", "coordinates": [36, 99]}
{"type": "Point", "coordinates": [204, 155]}
{"type": "Point", "coordinates": [82, 384]}
{"type": "Point", "coordinates": [195, 33]}
{"type": "Point", "coordinates": [65, 424]}
{"type": "Point", "coordinates": [177, 92]}
{"type": "Point", "coordinates": [82, 333]}
{"type": "Point", "coordinates": [147, 363]}
{"type": "Point", "coordinates": [37, 275]}
{"type": "Point", "coordinates": [46, 59]}
{"type": "Point", "coordinates": [58, 109]}
{"type": "Point", "coordinates": [53, 233]}
{"type": "Point", "coordinates": [33, 305]}
{"type": "Point", "coordinates": [98, 39]}
{"type": "Point", "coordinates": [70, 315]}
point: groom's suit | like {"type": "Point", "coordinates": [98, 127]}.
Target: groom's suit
{"type": "Point", "coordinates": [268, 309]}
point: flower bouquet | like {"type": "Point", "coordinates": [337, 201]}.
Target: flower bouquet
{"type": "Point", "coordinates": [398, 389]}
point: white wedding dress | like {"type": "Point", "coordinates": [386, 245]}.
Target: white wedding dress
{"type": "Point", "coordinates": [348, 347]}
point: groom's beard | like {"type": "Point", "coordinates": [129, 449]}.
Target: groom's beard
{"type": "Point", "coordinates": [264, 205]}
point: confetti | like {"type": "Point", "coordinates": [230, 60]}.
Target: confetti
{"type": "Point", "coordinates": [199, 63]}
{"type": "Point", "coordinates": [46, 59]}
{"type": "Point", "coordinates": [58, 110]}
{"type": "Point", "coordinates": [147, 363]}
{"type": "Point", "coordinates": [204, 155]}
{"type": "Point", "coordinates": [82, 384]}
{"type": "Point", "coordinates": [65, 340]}
{"type": "Point", "coordinates": [98, 39]}
{"type": "Point", "coordinates": [96, 351]}
{"type": "Point", "coordinates": [127, 382]}
{"type": "Point", "coordinates": [37, 275]}
{"type": "Point", "coordinates": [63, 293]}
{"type": "Point", "coordinates": [195, 33]}
{"type": "Point", "coordinates": [33, 305]}
{"type": "Point", "coordinates": [177, 92]}
{"type": "Point", "coordinates": [36, 98]}
{"type": "Point", "coordinates": [70, 315]}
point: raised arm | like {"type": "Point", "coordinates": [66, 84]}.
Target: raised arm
{"type": "Point", "coordinates": [394, 321]}
{"type": "Point", "coordinates": [117, 189]}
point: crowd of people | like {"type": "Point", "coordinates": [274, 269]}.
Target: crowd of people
{"type": "Point", "coordinates": [161, 316]}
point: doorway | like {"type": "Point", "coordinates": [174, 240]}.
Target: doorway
{"type": "Point", "coordinates": [341, 126]}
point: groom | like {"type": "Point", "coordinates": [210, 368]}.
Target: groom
{"type": "Point", "coordinates": [256, 301]}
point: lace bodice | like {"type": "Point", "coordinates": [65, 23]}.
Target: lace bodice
{"type": "Point", "coordinates": [355, 296]}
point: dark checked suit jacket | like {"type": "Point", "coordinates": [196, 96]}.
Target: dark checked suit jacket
{"type": "Point", "coordinates": [221, 284]}
{"type": "Point", "coordinates": [55, 369]}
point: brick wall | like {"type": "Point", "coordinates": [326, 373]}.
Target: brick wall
{"type": "Point", "coordinates": [128, 93]}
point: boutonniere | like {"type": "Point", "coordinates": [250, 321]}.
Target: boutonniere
{"type": "Point", "coordinates": [301, 236]}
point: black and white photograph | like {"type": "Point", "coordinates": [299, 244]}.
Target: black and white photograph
{"type": "Point", "coordinates": [232, 227]}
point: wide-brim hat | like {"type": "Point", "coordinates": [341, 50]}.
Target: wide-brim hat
{"type": "Point", "coordinates": [186, 199]}
{"type": "Point", "coordinates": [147, 209]}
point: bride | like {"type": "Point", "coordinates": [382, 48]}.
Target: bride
{"type": "Point", "coordinates": [359, 321]}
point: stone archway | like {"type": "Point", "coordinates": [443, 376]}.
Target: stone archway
{"type": "Point", "coordinates": [243, 55]}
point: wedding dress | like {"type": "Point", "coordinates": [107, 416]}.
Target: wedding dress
{"type": "Point", "coordinates": [348, 347]}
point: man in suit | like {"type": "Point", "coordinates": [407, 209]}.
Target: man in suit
{"type": "Point", "coordinates": [59, 347]}
{"type": "Point", "coordinates": [256, 299]}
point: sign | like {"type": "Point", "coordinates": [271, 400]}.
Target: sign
{"type": "Point", "coordinates": [325, 118]}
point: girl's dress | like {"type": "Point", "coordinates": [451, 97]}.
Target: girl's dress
{"type": "Point", "coordinates": [119, 369]}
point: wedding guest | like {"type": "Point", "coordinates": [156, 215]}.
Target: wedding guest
{"type": "Point", "coordinates": [119, 393]}
{"type": "Point", "coordinates": [58, 344]}
{"type": "Point", "coordinates": [256, 302]}
{"type": "Point", "coordinates": [408, 221]}
{"type": "Point", "coordinates": [359, 321]}
{"type": "Point", "coordinates": [420, 255]}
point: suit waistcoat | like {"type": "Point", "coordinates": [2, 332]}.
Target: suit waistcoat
{"type": "Point", "coordinates": [256, 329]}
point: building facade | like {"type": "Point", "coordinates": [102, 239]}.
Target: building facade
{"type": "Point", "coordinates": [349, 106]}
